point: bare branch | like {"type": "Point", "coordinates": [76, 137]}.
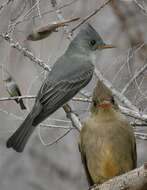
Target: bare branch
{"type": "Point", "coordinates": [133, 113]}
{"type": "Point", "coordinates": [136, 75]}
{"type": "Point", "coordinates": [132, 180]}
{"type": "Point", "coordinates": [142, 136]}
{"type": "Point", "coordinates": [91, 15]}
{"type": "Point", "coordinates": [56, 126]}
{"type": "Point", "coordinates": [5, 4]}
{"type": "Point", "coordinates": [78, 99]}
{"type": "Point", "coordinates": [20, 12]}
{"type": "Point", "coordinates": [46, 12]}
{"type": "Point", "coordinates": [140, 6]}
{"type": "Point", "coordinates": [38, 8]}
{"type": "Point", "coordinates": [117, 94]}
{"type": "Point", "coordinates": [25, 51]}
{"type": "Point", "coordinates": [124, 110]}
{"type": "Point", "coordinates": [61, 18]}
{"type": "Point", "coordinates": [56, 140]}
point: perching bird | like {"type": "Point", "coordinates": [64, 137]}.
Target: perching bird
{"type": "Point", "coordinates": [13, 90]}
{"type": "Point", "coordinates": [107, 141]}
{"type": "Point", "coordinates": [71, 72]}
{"type": "Point", "coordinates": [45, 31]}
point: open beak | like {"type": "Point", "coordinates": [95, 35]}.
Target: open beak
{"type": "Point", "coordinates": [105, 46]}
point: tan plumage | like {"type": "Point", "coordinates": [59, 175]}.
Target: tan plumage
{"type": "Point", "coordinates": [45, 31]}
{"type": "Point", "coordinates": [107, 142]}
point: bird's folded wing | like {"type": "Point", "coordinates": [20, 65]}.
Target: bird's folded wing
{"type": "Point", "coordinates": [134, 153]}
{"type": "Point", "coordinates": [54, 94]}
{"type": "Point", "coordinates": [18, 91]}
{"type": "Point", "coordinates": [84, 162]}
{"type": "Point", "coordinates": [45, 30]}
{"type": "Point", "coordinates": [64, 90]}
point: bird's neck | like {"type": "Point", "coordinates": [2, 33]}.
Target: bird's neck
{"type": "Point", "coordinates": [106, 114]}
{"type": "Point", "coordinates": [82, 54]}
{"type": "Point", "coordinates": [77, 48]}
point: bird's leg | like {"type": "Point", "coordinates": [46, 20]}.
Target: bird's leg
{"type": "Point", "coordinates": [68, 110]}
{"type": "Point", "coordinates": [55, 30]}
{"type": "Point", "coordinates": [92, 187]}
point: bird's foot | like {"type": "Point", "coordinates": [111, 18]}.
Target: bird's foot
{"type": "Point", "coordinates": [92, 187]}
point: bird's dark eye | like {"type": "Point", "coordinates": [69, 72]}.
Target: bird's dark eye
{"type": "Point", "coordinates": [94, 103]}
{"type": "Point", "coordinates": [92, 42]}
{"type": "Point", "coordinates": [112, 100]}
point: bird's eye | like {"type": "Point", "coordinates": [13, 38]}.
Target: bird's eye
{"type": "Point", "coordinates": [112, 100]}
{"type": "Point", "coordinates": [92, 42]}
{"type": "Point", "coordinates": [94, 103]}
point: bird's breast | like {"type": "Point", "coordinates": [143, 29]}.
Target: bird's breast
{"type": "Point", "coordinates": [92, 57]}
{"type": "Point", "coordinates": [107, 149]}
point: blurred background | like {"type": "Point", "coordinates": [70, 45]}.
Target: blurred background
{"type": "Point", "coordinates": [121, 23]}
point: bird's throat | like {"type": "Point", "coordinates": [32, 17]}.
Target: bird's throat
{"type": "Point", "coordinates": [106, 106]}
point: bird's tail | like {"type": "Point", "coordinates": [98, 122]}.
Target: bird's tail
{"type": "Point", "coordinates": [19, 139]}
{"type": "Point", "coordinates": [22, 106]}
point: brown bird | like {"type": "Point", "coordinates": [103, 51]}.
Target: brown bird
{"type": "Point", "coordinates": [45, 31]}
{"type": "Point", "coordinates": [107, 141]}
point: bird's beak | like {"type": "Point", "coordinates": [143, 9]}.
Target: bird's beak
{"type": "Point", "coordinates": [105, 104]}
{"type": "Point", "coordinates": [105, 46]}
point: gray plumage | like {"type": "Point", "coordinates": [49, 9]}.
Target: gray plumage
{"type": "Point", "coordinates": [13, 90]}
{"type": "Point", "coordinates": [69, 75]}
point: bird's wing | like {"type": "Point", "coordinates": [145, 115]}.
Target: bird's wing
{"type": "Point", "coordinates": [133, 144]}
{"type": "Point", "coordinates": [84, 161]}
{"type": "Point", "coordinates": [45, 30]}
{"type": "Point", "coordinates": [134, 154]}
{"type": "Point", "coordinates": [53, 95]}
{"type": "Point", "coordinates": [18, 91]}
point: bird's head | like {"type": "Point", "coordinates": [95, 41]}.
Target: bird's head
{"type": "Point", "coordinates": [102, 99]}
{"type": "Point", "coordinates": [8, 79]}
{"type": "Point", "coordinates": [88, 40]}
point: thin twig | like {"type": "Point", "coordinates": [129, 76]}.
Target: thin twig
{"type": "Point", "coordinates": [136, 75]}
{"type": "Point", "coordinates": [27, 13]}
{"type": "Point", "coordinates": [136, 124]}
{"type": "Point", "coordinates": [142, 136]}
{"type": "Point", "coordinates": [22, 8]}
{"type": "Point", "coordinates": [91, 15]}
{"type": "Point", "coordinates": [38, 8]}
{"type": "Point", "coordinates": [140, 6]}
{"type": "Point", "coordinates": [78, 99]}
{"type": "Point", "coordinates": [25, 51]}
{"type": "Point", "coordinates": [56, 140]}
{"type": "Point", "coordinates": [5, 4]}
{"type": "Point", "coordinates": [117, 94]}
{"type": "Point", "coordinates": [49, 126]}
{"type": "Point", "coordinates": [61, 18]}
{"type": "Point", "coordinates": [42, 124]}
{"type": "Point", "coordinates": [47, 12]}
{"type": "Point", "coordinates": [119, 70]}
{"type": "Point", "coordinates": [133, 113]}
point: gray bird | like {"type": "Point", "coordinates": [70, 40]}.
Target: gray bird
{"type": "Point", "coordinates": [13, 90]}
{"type": "Point", "coordinates": [71, 72]}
